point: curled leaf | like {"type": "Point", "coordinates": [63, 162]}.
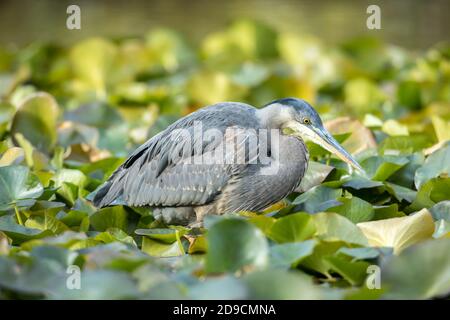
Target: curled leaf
{"type": "Point", "coordinates": [399, 233]}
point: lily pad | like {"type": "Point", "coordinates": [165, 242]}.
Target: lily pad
{"type": "Point", "coordinates": [292, 228]}
{"type": "Point", "coordinates": [317, 199]}
{"type": "Point", "coordinates": [93, 62]}
{"type": "Point", "coordinates": [98, 285]}
{"type": "Point", "coordinates": [160, 249]}
{"type": "Point", "coordinates": [381, 168]}
{"type": "Point", "coordinates": [110, 217]}
{"type": "Point", "coordinates": [334, 227]}
{"type": "Point", "coordinates": [354, 209]}
{"type": "Point", "coordinates": [281, 285]}
{"type": "Point", "coordinates": [163, 235]}
{"type": "Point", "coordinates": [315, 174]}
{"type": "Point", "coordinates": [16, 185]}
{"type": "Point", "coordinates": [234, 244]}
{"type": "Point", "coordinates": [399, 233]}
{"type": "Point", "coordinates": [19, 233]}
{"type": "Point", "coordinates": [441, 211]}
{"type": "Point", "coordinates": [420, 272]}
{"type": "Point", "coordinates": [437, 164]}
{"type": "Point", "coordinates": [36, 120]}
{"type": "Point", "coordinates": [289, 254]}
{"type": "Point", "coordinates": [430, 193]}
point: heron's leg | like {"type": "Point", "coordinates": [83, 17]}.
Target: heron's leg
{"type": "Point", "coordinates": [175, 215]}
{"type": "Point", "coordinates": [200, 213]}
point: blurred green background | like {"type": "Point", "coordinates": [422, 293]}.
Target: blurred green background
{"type": "Point", "coordinates": [414, 24]}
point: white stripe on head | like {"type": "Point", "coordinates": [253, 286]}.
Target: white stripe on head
{"type": "Point", "coordinates": [274, 115]}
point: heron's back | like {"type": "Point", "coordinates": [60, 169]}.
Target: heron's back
{"type": "Point", "coordinates": [151, 177]}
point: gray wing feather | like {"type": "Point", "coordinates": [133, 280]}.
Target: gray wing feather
{"type": "Point", "coordinates": [150, 177]}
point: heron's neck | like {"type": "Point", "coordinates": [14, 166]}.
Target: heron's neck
{"type": "Point", "coordinates": [287, 167]}
{"type": "Point", "coordinates": [273, 116]}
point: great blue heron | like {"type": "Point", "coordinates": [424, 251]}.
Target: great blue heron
{"type": "Point", "coordinates": [177, 173]}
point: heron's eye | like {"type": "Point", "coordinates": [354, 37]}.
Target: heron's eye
{"type": "Point", "coordinates": [306, 121]}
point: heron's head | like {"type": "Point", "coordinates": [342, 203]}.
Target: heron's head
{"type": "Point", "coordinates": [298, 118]}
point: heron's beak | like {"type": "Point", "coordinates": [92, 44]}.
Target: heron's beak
{"type": "Point", "coordinates": [327, 142]}
{"type": "Point", "coordinates": [324, 139]}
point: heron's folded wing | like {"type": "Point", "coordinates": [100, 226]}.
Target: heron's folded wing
{"type": "Point", "coordinates": [176, 170]}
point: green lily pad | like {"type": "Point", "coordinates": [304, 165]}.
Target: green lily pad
{"type": "Point", "coordinates": [72, 176]}
{"type": "Point", "coordinates": [381, 168]}
{"type": "Point", "coordinates": [157, 248]}
{"type": "Point", "coordinates": [66, 240]}
{"type": "Point", "coordinates": [168, 50]}
{"type": "Point", "coordinates": [281, 285]}
{"type": "Point", "coordinates": [420, 272]}
{"type": "Point", "coordinates": [315, 174]}
{"type": "Point", "coordinates": [227, 288]}
{"type": "Point", "coordinates": [363, 95]}
{"type": "Point", "coordinates": [436, 165]}
{"type": "Point", "coordinates": [234, 244]}
{"type": "Point", "coordinates": [441, 211]}
{"type": "Point", "coordinates": [45, 269]}
{"type": "Point", "coordinates": [409, 94]}
{"type": "Point", "coordinates": [46, 222]}
{"type": "Point", "coordinates": [359, 183]}
{"type": "Point", "coordinates": [430, 193]}
{"type": "Point", "coordinates": [74, 218]}
{"type": "Point", "coordinates": [355, 272]}
{"type": "Point", "coordinates": [292, 228]}
{"type": "Point", "coordinates": [290, 254]}
{"type": "Point", "coordinates": [163, 235]}
{"type": "Point", "coordinates": [110, 217]}
{"type": "Point", "coordinates": [354, 209]}
{"type": "Point", "coordinates": [335, 227]}
{"type": "Point", "coordinates": [17, 184]}
{"type": "Point", "coordinates": [317, 261]}
{"type": "Point", "coordinates": [405, 144]}
{"type": "Point", "coordinates": [263, 222]}
{"type": "Point", "coordinates": [405, 175]}
{"type": "Point", "coordinates": [19, 233]}
{"type": "Point", "coordinates": [318, 199]}
{"type": "Point", "coordinates": [366, 253]}
{"type": "Point", "coordinates": [36, 120]}
{"type": "Point", "coordinates": [387, 212]}
{"type": "Point", "coordinates": [401, 193]}
{"type": "Point", "coordinates": [208, 87]}
{"type": "Point", "coordinates": [93, 61]}
{"type": "Point", "coordinates": [98, 285]}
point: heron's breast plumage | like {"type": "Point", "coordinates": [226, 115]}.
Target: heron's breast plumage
{"type": "Point", "coordinates": [261, 186]}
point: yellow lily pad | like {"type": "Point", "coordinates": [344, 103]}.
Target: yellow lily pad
{"type": "Point", "coordinates": [399, 233]}
{"type": "Point", "coordinates": [441, 128]}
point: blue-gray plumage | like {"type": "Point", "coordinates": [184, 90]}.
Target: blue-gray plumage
{"type": "Point", "coordinates": [176, 172]}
